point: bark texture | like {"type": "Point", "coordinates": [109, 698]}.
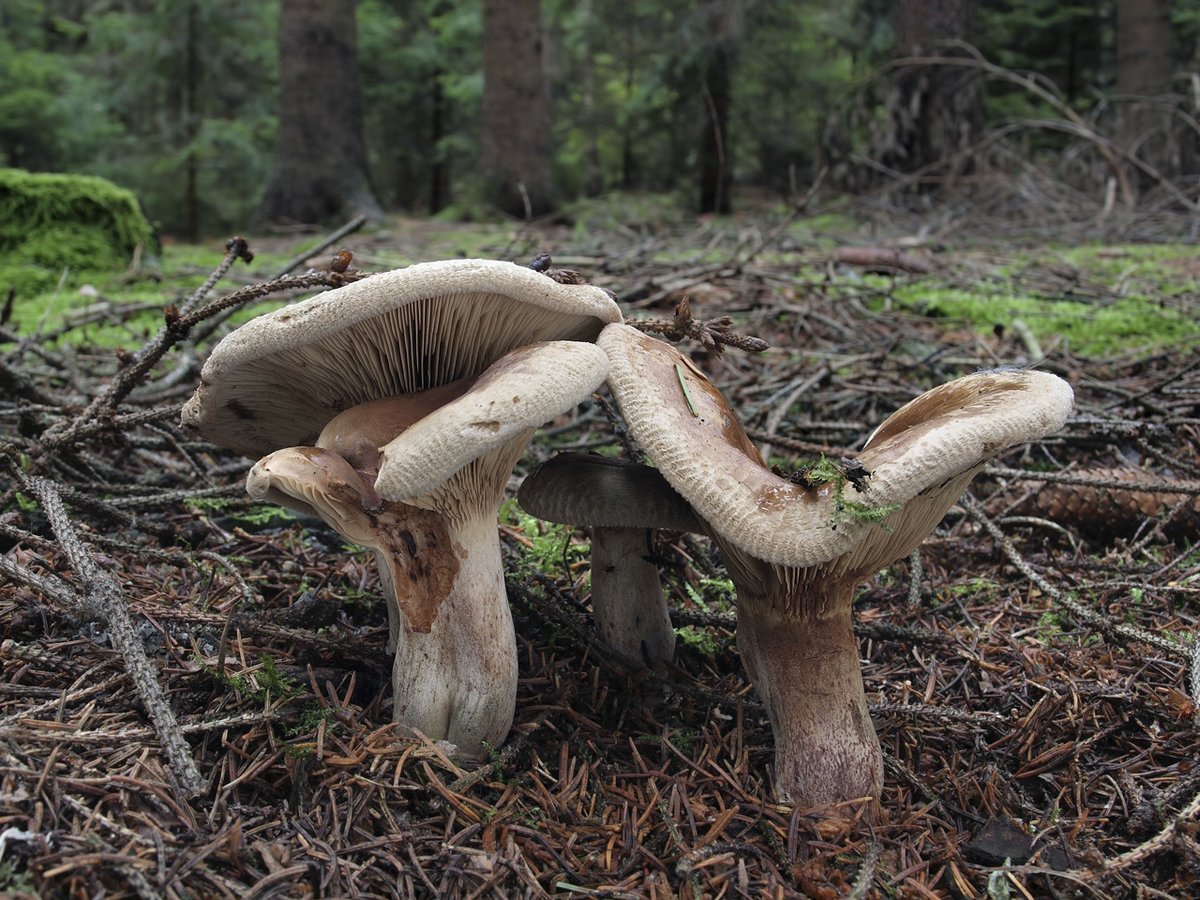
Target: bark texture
{"type": "Point", "coordinates": [1144, 68]}
{"type": "Point", "coordinates": [722, 27]}
{"type": "Point", "coordinates": [515, 144]}
{"type": "Point", "coordinates": [935, 112]}
{"type": "Point", "coordinates": [320, 171]}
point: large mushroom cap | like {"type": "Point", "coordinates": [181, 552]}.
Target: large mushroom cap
{"type": "Point", "coordinates": [517, 393]}
{"type": "Point", "coordinates": [930, 447]}
{"type": "Point", "coordinates": [277, 380]}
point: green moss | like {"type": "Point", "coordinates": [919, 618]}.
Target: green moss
{"type": "Point", "coordinates": [63, 229]}
{"type": "Point", "coordinates": [1088, 327]}
{"type": "Point", "coordinates": [78, 221]}
{"type": "Point", "coordinates": [1097, 300]}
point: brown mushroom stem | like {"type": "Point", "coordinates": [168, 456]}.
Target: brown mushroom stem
{"type": "Point", "coordinates": [805, 667]}
{"type": "Point", "coordinates": [795, 551]}
{"type": "Point", "coordinates": [624, 581]}
{"type": "Point", "coordinates": [455, 676]}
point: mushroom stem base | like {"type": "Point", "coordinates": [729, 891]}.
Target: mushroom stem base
{"type": "Point", "coordinates": [457, 682]}
{"type": "Point", "coordinates": [806, 670]}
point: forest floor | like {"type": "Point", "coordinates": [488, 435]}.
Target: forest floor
{"type": "Point", "coordinates": [1031, 670]}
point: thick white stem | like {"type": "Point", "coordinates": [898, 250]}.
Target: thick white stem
{"type": "Point", "coordinates": [805, 667]}
{"type": "Point", "coordinates": [627, 597]}
{"type": "Point", "coordinates": [457, 680]}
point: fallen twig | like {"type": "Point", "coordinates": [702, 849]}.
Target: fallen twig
{"type": "Point", "coordinates": [102, 600]}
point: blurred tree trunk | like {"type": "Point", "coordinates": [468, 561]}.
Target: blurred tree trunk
{"type": "Point", "coordinates": [935, 112]}
{"type": "Point", "coordinates": [716, 172]}
{"type": "Point", "coordinates": [320, 171]}
{"type": "Point", "coordinates": [191, 118]}
{"type": "Point", "coordinates": [1144, 68]}
{"type": "Point", "coordinates": [722, 28]}
{"type": "Point", "coordinates": [515, 144]}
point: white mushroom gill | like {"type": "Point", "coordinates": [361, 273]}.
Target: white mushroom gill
{"type": "Point", "coordinates": [276, 381]}
{"type": "Point", "coordinates": [310, 373]}
{"type": "Point", "coordinates": [455, 668]}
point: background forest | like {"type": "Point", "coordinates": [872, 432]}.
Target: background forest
{"type": "Point", "coordinates": [829, 209]}
{"type": "Point", "coordinates": [180, 100]}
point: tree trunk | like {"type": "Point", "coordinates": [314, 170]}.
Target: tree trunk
{"type": "Point", "coordinates": [722, 27]}
{"type": "Point", "coordinates": [320, 170]}
{"type": "Point", "coordinates": [191, 117]}
{"type": "Point", "coordinates": [716, 174]}
{"type": "Point", "coordinates": [515, 144]}
{"type": "Point", "coordinates": [936, 112]}
{"type": "Point", "coordinates": [1144, 66]}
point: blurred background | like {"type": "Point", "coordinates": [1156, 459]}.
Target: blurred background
{"type": "Point", "coordinates": [222, 114]}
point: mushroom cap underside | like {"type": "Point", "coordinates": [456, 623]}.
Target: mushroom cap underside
{"type": "Point", "coordinates": [929, 447]}
{"type": "Point", "coordinates": [277, 380]}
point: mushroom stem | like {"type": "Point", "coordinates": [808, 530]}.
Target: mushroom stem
{"type": "Point", "coordinates": [805, 668]}
{"type": "Point", "coordinates": [455, 678]}
{"type": "Point", "coordinates": [384, 563]}
{"type": "Point", "coordinates": [627, 598]}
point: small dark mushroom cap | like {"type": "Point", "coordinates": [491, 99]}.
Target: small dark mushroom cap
{"type": "Point", "coordinates": [579, 489]}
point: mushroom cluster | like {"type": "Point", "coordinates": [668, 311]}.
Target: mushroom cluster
{"type": "Point", "coordinates": [795, 552]}
{"type": "Point", "coordinates": [394, 410]}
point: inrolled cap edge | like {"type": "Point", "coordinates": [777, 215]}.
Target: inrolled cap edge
{"type": "Point", "coordinates": [692, 434]}
{"type": "Point", "coordinates": [317, 482]}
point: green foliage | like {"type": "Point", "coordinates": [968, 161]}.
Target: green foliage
{"type": "Point", "coordinates": [826, 471]}
{"type": "Point", "coordinates": [1089, 325]}
{"type": "Point", "coordinates": [256, 516]}
{"type": "Point", "coordinates": [864, 512]}
{"type": "Point", "coordinates": [177, 99]}
{"type": "Point", "coordinates": [202, 104]}
{"type": "Point", "coordinates": [68, 220]}
{"type": "Point", "coordinates": [14, 881]}
{"type": "Point", "coordinates": [420, 62]}
{"type": "Point", "coordinates": [174, 99]}
{"type": "Point", "coordinates": [713, 595]}
{"type": "Point", "coordinates": [272, 685]}
{"type": "Point", "coordinates": [551, 545]}
{"type": "Point", "coordinates": [56, 225]}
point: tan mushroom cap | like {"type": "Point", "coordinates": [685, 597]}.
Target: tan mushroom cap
{"type": "Point", "coordinates": [929, 449]}
{"type": "Point", "coordinates": [277, 380]}
{"type": "Point", "coordinates": [578, 489]}
{"type": "Point", "coordinates": [519, 392]}
{"type": "Point", "coordinates": [313, 481]}
{"type": "Point", "coordinates": [319, 482]}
